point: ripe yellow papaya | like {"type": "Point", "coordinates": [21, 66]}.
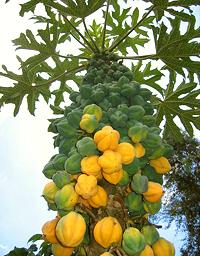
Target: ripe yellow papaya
{"type": "Point", "coordinates": [86, 186]}
{"type": "Point", "coordinates": [163, 247]}
{"type": "Point", "coordinates": [154, 192]}
{"type": "Point", "coordinates": [161, 165]}
{"type": "Point", "coordinates": [59, 250]}
{"type": "Point", "coordinates": [107, 231]}
{"type": "Point", "coordinates": [139, 150]}
{"type": "Point", "coordinates": [106, 138]}
{"type": "Point", "coordinates": [147, 251]}
{"type": "Point", "coordinates": [90, 166]}
{"type": "Point", "coordinates": [99, 199]}
{"type": "Point", "coordinates": [126, 151]}
{"type": "Point", "coordinates": [49, 231]}
{"type": "Point", "coordinates": [110, 161]}
{"type": "Point", "coordinates": [71, 229]}
{"type": "Point", "coordinates": [114, 177]}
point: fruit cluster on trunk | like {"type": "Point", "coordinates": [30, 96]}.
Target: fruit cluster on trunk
{"type": "Point", "coordinates": [107, 177]}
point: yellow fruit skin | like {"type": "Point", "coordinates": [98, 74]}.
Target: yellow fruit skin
{"type": "Point", "coordinates": [113, 178]}
{"type": "Point", "coordinates": [107, 231]}
{"type": "Point", "coordinates": [139, 150]}
{"type": "Point", "coordinates": [49, 231]}
{"type": "Point", "coordinates": [126, 151]}
{"type": "Point", "coordinates": [86, 186]}
{"type": "Point", "coordinates": [161, 165]}
{"type": "Point", "coordinates": [163, 247]}
{"type": "Point", "coordinates": [110, 161]}
{"type": "Point", "coordinates": [90, 166]}
{"type": "Point", "coordinates": [99, 199]}
{"type": "Point", "coordinates": [59, 250]}
{"type": "Point", "coordinates": [70, 229]}
{"type": "Point", "coordinates": [106, 138]}
{"type": "Point", "coordinates": [49, 192]}
{"type": "Point", "coordinates": [154, 192]}
{"type": "Point", "coordinates": [106, 254]}
{"type": "Point", "coordinates": [147, 251]}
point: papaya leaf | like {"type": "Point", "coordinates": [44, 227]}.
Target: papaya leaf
{"type": "Point", "coordinates": [77, 8]}
{"type": "Point", "coordinates": [119, 24]}
{"type": "Point", "coordinates": [162, 6]}
{"type": "Point", "coordinates": [176, 49]}
{"type": "Point", "coordinates": [46, 48]}
{"type": "Point", "coordinates": [182, 102]}
{"type": "Point", "coordinates": [147, 76]}
{"type": "Point", "coordinates": [82, 8]}
{"type": "Point", "coordinates": [18, 252]}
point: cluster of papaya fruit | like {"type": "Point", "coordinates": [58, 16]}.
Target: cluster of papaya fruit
{"type": "Point", "coordinates": [110, 155]}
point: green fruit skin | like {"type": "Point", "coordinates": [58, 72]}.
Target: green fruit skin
{"type": "Point", "coordinates": [133, 241]}
{"type": "Point", "coordinates": [64, 198]}
{"type": "Point", "coordinates": [49, 170]}
{"type": "Point", "coordinates": [150, 234]}
{"type": "Point", "coordinates": [152, 175]}
{"type": "Point", "coordinates": [74, 117]}
{"type": "Point", "coordinates": [65, 129]}
{"type": "Point", "coordinates": [134, 202]}
{"type": "Point", "coordinates": [118, 119]}
{"type": "Point", "coordinates": [61, 178]}
{"type": "Point", "coordinates": [138, 133]}
{"type": "Point", "coordinates": [139, 183]}
{"type": "Point", "coordinates": [73, 163]}
{"type": "Point", "coordinates": [136, 112]}
{"type": "Point", "coordinates": [86, 147]}
{"type": "Point", "coordinates": [125, 179]}
{"type": "Point", "coordinates": [66, 144]}
{"type": "Point", "coordinates": [59, 162]}
{"type": "Point", "coordinates": [152, 208]}
{"type": "Point", "coordinates": [133, 167]}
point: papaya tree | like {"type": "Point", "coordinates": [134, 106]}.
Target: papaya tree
{"type": "Point", "coordinates": [131, 75]}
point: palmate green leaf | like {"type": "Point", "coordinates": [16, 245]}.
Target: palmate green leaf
{"type": "Point", "coordinates": [120, 21]}
{"type": "Point", "coordinates": [31, 84]}
{"type": "Point", "coordinates": [162, 6]}
{"type": "Point", "coordinates": [176, 50]}
{"type": "Point", "coordinates": [148, 76]}
{"type": "Point", "coordinates": [76, 8]}
{"type": "Point", "coordinates": [46, 48]}
{"type": "Point", "coordinates": [82, 8]}
{"type": "Point", "coordinates": [181, 102]}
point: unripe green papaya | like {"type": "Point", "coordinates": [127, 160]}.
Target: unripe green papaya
{"type": "Point", "coordinates": [152, 208]}
{"type": "Point", "coordinates": [93, 109]}
{"type": "Point", "coordinates": [132, 168]}
{"type": "Point", "coordinates": [134, 202]}
{"type": "Point", "coordinates": [85, 91]}
{"type": "Point", "coordinates": [139, 183]}
{"type": "Point", "coordinates": [65, 129]}
{"type": "Point", "coordinates": [87, 147]}
{"type": "Point", "coordinates": [61, 178]}
{"type": "Point", "coordinates": [150, 234]}
{"type": "Point", "coordinates": [149, 120]}
{"type": "Point", "coordinates": [74, 117]}
{"type": "Point", "coordinates": [138, 132]}
{"type": "Point", "coordinates": [73, 163]}
{"type": "Point", "coordinates": [145, 93]}
{"type": "Point", "coordinates": [136, 112]}
{"type": "Point", "coordinates": [66, 144]}
{"type": "Point", "coordinates": [137, 100]}
{"type": "Point", "coordinates": [125, 179]}
{"type": "Point", "coordinates": [66, 198]}
{"type": "Point", "coordinates": [49, 170]}
{"type": "Point", "coordinates": [59, 162]}
{"type": "Point", "coordinates": [133, 241]}
{"type": "Point", "coordinates": [152, 175]}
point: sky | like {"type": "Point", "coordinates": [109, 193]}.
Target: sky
{"type": "Point", "coordinates": [25, 147]}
